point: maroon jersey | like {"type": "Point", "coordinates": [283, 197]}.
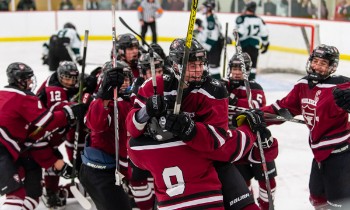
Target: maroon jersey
{"type": "Point", "coordinates": [328, 123]}
{"type": "Point", "coordinates": [100, 121]}
{"type": "Point", "coordinates": [183, 171]}
{"type": "Point", "coordinates": [21, 113]}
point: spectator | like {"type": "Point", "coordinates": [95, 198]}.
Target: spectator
{"type": "Point", "coordinates": [284, 6]}
{"type": "Point", "coordinates": [324, 10]}
{"type": "Point", "coordinates": [345, 11]}
{"type": "Point", "coordinates": [241, 5]}
{"type": "Point", "coordinates": [269, 8]}
{"type": "Point", "coordinates": [296, 7]}
{"type": "Point", "coordinates": [148, 11]}
{"type": "Point", "coordinates": [105, 4]}
{"type": "Point", "coordinates": [4, 5]}
{"type": "Point", "coordinates": [308, 9]}
{"type": "Point", "coordinates": [93, 5]}
{"type": "Point", "coordinates": [338, 8]}
{"type": "Point", "coordinates": [66, 5]}
{"type": "Point", "coordinates": [26, 5]}
{"type": "Point", "coordinates": [176, 5]}
{"type": "Point", "coordinates": [166, 4]}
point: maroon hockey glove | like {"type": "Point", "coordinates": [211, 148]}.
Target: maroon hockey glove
{"type": "Point", "coordinates": [181, 125]}
{"type": "Point", "coordinates": [156, 106]}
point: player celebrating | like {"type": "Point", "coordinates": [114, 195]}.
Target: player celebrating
{"type": "Point", "coordinates": [23, 121]}
{"type": "Point", "coordinates": [238, 98]}
{"type": "Point", "coordinates": [198, 134]}
{"type": "Point", "coordinates": [328, 124]}
{"type": "Point", "coordinates": [97, 173]}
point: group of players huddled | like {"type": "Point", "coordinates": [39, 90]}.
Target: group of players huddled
{"type": "Point", "coordinates": [200, 158]}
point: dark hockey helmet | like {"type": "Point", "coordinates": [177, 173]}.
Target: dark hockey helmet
{"type": "Point", "coordinates": [145, 62]}
{"type": "Point", "coordinates": [251, 6]}
{"type": "Point", "coordinates": [125, 41]}
{"type": "Point", "coordinates": [210, 4]}
{"type": "Point", "coordinates": [235, 61]}
{"type": "Point", "coordinates": [67, 70]}
{"type": "Point", "coordinates": [158, 49]}
{"type": "Point", "coordinates": [327, 52]}
{"type": "Point", "coordinates": [120, 65]}
{"type": "Point", "coordinates": [69, 25]}
{"type": "Point", "coordinates": [18, 75]}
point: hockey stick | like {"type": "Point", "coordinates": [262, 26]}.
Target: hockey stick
{"type": "Point", "coordinates": [73, 188]}
{"type": "Point", "coordinates": [232, 110]}
{"type": "Point", "coordinates": [225, 51]}
{"type": "Point", "coordinates": [189, 37]}
{"type": "Point", "coordinates": [118, 175]}
{"type": "Point", "coordinates": [128, 27]}
{"type": "Point", "coordinates": [249, 96]}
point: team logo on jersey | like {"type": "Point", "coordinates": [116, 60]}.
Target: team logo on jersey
{"type": "Point", "coordinates": [310, 116]}
{"type": "Point", "coordinates": [215, 82]}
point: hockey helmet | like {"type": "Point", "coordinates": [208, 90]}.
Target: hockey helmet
{"type": "Point", "coordinates": [125, 41]}
{"type": "Point", "coordinates": [18, 75]}
{"type": "Point", "coordinates": [209, 4]}
{"type": "Point", "coordinates": [327, 52]}
{"type": "Point", "coordinates": [67, 73]}
{"type": "Point", "coordinates": [158, 49]}
{"type": "Point", "coordinates": [69, 25]}
{"type": "Point", "coordinates": [235, 61]}
{"type": "Point", "coordinates": [145, 62]}
{"type": "Point", "coordinates": [196, 53]}
{"type": "Point", "coordinates": [251, 6]}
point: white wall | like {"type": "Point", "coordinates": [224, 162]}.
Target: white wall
{"type": "Point", "coordinates": [287, 47]}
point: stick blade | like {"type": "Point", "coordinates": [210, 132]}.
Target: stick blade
{"type": "Point", "coordinates": [85, 203]}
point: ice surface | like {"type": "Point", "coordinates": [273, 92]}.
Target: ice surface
{"type": "Point", "coordinates": [293, 162]}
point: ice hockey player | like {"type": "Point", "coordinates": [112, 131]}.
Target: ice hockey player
{"type": "Point", "coordinates": [198, 134]}
{"type": "Point", "coordinates": [210, 37]}
{"type": "Point", "coordinates": [251, 30]}
{"type": "Point", "coordinates": [238, 99]}
{"type": "Point", "coordinates": [320, 98]}
{"type": "Point", "coordinates": [24, 125]}
{"type": "Point", "coordinates": [127, 47]}
{"type": "Point", "coordinates": [57, 91]}
{"type": "Point", "coordinates": [56, 51]}
{"type": "Point", "coordinates": [97, 173]}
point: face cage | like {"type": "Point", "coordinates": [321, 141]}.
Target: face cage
{"type": "Point", "coordinates": [178, 73]}
{"type": "Point", "coordinates": [23, 83]}
{"type": "Point", "coordinates": [64, 76]}
{"type": "Point", "coordinates": [331, 69]}
{"type": "Point", "coordinates": [229, 67]}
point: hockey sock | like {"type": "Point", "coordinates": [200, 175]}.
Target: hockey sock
{"type": "Point", "coordinates": [263, 197]}
{"type": "Point", "coordinates": [30, 203]}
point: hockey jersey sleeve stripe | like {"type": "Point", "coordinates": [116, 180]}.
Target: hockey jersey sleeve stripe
{"type": "Point", "coordinates": [243, 143]}
{"type": "Point", "coordinates": [217, 136]}
{"type": "Point", "coordinates": [44, 119]}
{"type": "Point", "coordinates": [158, 146]}
{"type": "Point", "coordinates": [193, 203]}
{"type": "Point", "coordinates": [138, 126]}
{"type": "Point", "coordinates": [12, 142]}
{"type": "Point", "coordinates": [138, 102]}
{"type": "Point", "coordinates": [37, 144]}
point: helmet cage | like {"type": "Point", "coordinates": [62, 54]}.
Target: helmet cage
{"type": "Point", "coordinates": [67, 70]}
{"type": "Point", "coordinates": [235, 61]}
{"type": "Point", "coordinates": [18, 75]}
{"type": "Point", "coordinates": [329, 53]}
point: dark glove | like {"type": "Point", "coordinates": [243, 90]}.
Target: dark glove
{"type": "Point", "coordinates": [79, 60]}
{"type": "Point", "coordinates": [254, 118]}
{"type": "Point", "coordinates": [45, 59]}
{"type": "Point", "coordinates": [181, 125]}
{"type": "Point", "coordinates": [232, 99]}
{"type": "Point", "coordinates": [342, 98]}
{"type": "Point", "coordinates": [156, 106]}
{"type": "Point", "coordinates": [90, 84]}
{"type": "Point", "coordinates": [75, 112]}
{"type": "Point", "coordinates": [264, 47]}
{"type": "Point", "coordinates": [228, 40]}
{"type": "Point", "coordinates": [65, 172]}
{"type": "Point", "coordinates": [266, 138]}
{"type": "Point", "coordinates": [111, 79]}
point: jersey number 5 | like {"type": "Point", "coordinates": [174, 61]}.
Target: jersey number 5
{"type": "Point", "coordinates": [174, 181]}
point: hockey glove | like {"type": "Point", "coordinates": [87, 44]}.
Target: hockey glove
{"type": "Point", "coordinates": [90, 83]}
{"type": "Point", "coordinates": [111, 79]}
{"type": "Point", "coordinates": [75, 112]}
{"type": "Point", "coordinates": [156, 106]}
{"type": "Point", "coordinates": [65, 172]}
{"type": "Point", "coordinates": [254, 118]}
{"type": "Point", "coordinates": [181, 125]}
{"type": "Point", "coordinates": [232, 99]}
{"type": "Point", "coordinates": [79, 60]}
{"type": "Point", "coordinates": [264, 47]}
{"type": "Point", "coordinates": [266, 138]}
{"type": "Point", "coordinates": [45, 59]}
{"type": "Point", "coordinates": [342, 98]}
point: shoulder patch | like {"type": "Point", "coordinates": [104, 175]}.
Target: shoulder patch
{"type": "Point", "coordinates": [239, 20]}
{"type": "Point", "coordinates": [215, 88]}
